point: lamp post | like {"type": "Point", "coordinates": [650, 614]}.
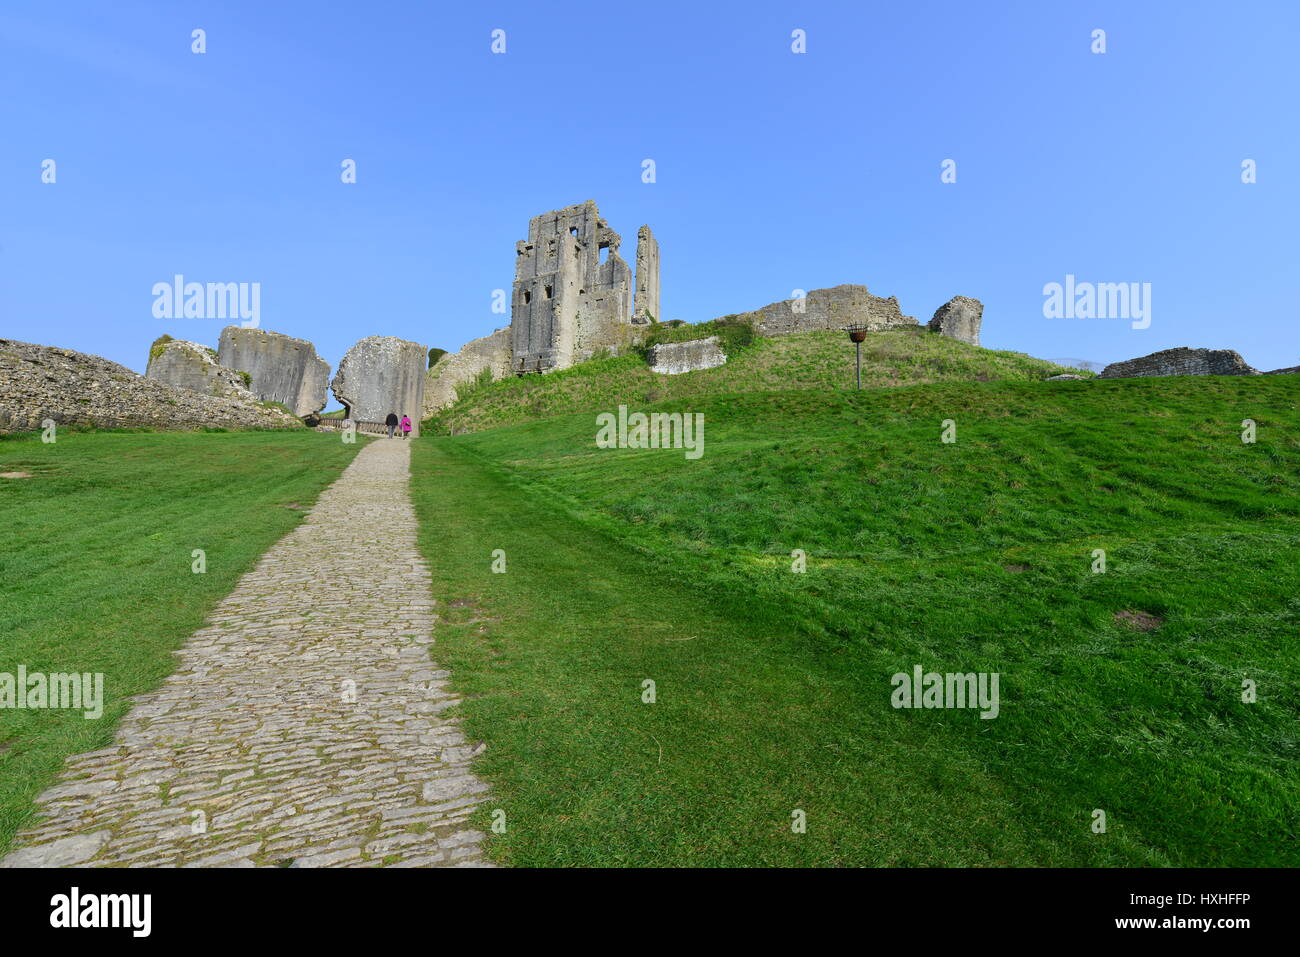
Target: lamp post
{"type": "Point", "coordinates": [856, 334]}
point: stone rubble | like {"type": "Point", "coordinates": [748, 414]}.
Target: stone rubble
{"type": "Point", "coordinates": [74, 388]}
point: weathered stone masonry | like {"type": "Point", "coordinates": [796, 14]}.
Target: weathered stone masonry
{"type": "Point", "coordinates": [459, 368]}
{"type": "Point", "coordinates": [829, 309]}
{"type": "Point", "coordinates": [281, 368]}
{"type": "Point", "coordinates": [383, 374]}
{"type": "Point", "coordinates": [674, 358]}
{"type": "Point", "coordinates": [645, 305]}
{"type": "Point", "coordinates": [572, 292]}
{"type": "Point", "coordinates": [189, 365]}
{"type": "Point", "coordinates": [959, 318]}
{"type": "Point", "coordinates": [1181, 361]}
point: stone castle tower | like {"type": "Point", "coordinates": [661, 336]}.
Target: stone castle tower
{"type": "Point", "coordinates": [573, 292]}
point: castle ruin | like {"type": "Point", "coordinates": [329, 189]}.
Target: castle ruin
{"type": "Point", "coordinates": [573, 292]}
{"type": "Point", "coordinates": [574, 296]}
{"type": "Point", "coordinates": [280, 368]}
{"type": "Point", "coordinates": [645, 305]}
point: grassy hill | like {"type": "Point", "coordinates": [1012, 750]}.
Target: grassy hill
{"type": "Point", "coordinates": [1121, 691]}
{"type": "Point", "coordinates": [812, 360]}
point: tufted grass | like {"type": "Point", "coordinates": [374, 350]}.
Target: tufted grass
{"type": "Point", "coordinates": [96, 565]}
{"type": "Point", "coordinates": [1120, 691]}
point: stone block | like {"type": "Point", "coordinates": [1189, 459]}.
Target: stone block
{"type": "Point", "coordinates": [383, 374]}
{"type": "Point", "coordinates": [674, 358]}
{"type": "Point", "coordinates": [959, 318]}
{"type": "Point", "coordinates": [280, 368]}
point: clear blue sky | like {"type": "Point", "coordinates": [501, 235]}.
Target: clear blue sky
{"type": "Point", "coordinates": [775, 171]}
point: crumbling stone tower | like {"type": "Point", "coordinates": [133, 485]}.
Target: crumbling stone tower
{"type": "Point", "coordinates": [572, 291]}
{"type": "Point", "coordinates": [646, 304]}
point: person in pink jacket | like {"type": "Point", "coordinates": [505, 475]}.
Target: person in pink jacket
{"type": "Point", "coordinates": [406, 426]}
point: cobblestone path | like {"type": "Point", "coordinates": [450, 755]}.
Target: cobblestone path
{"type": "Point", "coordinates": [304, 724]}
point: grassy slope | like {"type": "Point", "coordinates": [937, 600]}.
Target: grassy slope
{"type": "Point", "coordinates": [96, 565]}
{"type": "Point", "coordinates": [813, 360]}
{"type": "Point", "coordinates": [774, 687]}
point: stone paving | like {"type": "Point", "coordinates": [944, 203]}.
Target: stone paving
{"type": "Point", "coordinates": [305, 725]}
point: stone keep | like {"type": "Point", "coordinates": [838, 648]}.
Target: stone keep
{"type": "Point", "coordinates": [189, 365]}
{"type": "Point", "coordinates": [959, 318]}
{"type": "Point", "coordinates": [1181, 361]}
{"type": "Point", "coordinates": [572, 292]}
{"type": "Point", "coordinates": [645, 304]}
{"type": "Point", "coordinates": [382, 374]}
{"type": "Point", "coordinates": [282, 369]}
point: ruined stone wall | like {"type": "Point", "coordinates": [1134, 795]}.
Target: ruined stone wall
{"type": "Point", "coordinates": [453, 369]}
{"type": "Point", "coordinates": [566, 303]}
{"type": "Point", "coordinates": [674, 358]}
{"type": "Point", "coordinates": [959, 318]}
{"type": "Point", "coordinates": [73, 388]}
{"type": "Point", "coordinates": [1181, 361]}
{"type": "Point", "coordinates": [645, 304]}
{"type": "Point", "coordinates": [833, 309]}
{"type": "Point", "coordinates": [383, 374]}
{"type": "Point", "coordinates": [283, 369]}
{"type": "Point", "coordinates": [189, 365]}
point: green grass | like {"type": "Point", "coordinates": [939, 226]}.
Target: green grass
{"type": "Point", "coordinates": [734, 333]}
{"type": "Point", "coordinates": [813, 360]}
{"type": "Point", "coordinates": [773, 687]}
{"type": "Point", "coordinates": [96, 564]}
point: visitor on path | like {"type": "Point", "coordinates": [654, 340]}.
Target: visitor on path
{"type": "Point", "coordinates": [406, 426]}
{"type": "Point", "coordinates": [391, 422]}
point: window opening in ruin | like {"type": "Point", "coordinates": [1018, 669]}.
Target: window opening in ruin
{"type": "Point", "coordinates": [528, 297]}
{"type": "Point", "coordinates": [604, 253]}
{"type": "Point", "coordinates": [549, 292]}
{"type": "Point", "coordinates": [573, 231]}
